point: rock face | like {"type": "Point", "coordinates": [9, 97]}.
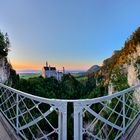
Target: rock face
{"type": "Point", "coordinates": [132, 75]}
{"type": "Point", "coordinates": [134, 67]}
{"type": "Point", "coordinates": [115, 52]}
{"type": "Point", "coordinates": [129, 69]}
{"type": "Point", "coordinates": [122, 69]}
{"type": "Point", "coordinates": [4, 70]}
{"type": "Point", "coordinates": [5, 67]}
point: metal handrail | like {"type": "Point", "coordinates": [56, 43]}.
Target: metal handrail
{"type": "Point", "coordinates": [59, 106]}
{"type": "Point", "coordinates": [94, 100]}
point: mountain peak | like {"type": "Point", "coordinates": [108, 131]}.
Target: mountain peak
{"type": "Point", "coordinates": [94, 68]}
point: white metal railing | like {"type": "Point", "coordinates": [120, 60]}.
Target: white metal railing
{"type": "Point", "coordinates": [108, 117]}
{"type": "Point", "coordinates": [32, 116]}
{"type": "Point", "coordinates": [104, 118]}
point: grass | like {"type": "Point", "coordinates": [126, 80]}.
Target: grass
{"type": "Point", "coordinates": [29, 75]}
{"type": "Point", "coordinates": [33, 75]}
{"type": "Point", "coordinates": [80, 77]}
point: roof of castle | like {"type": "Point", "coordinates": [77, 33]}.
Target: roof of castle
{"type": "Point", "coordinates": [51, 68]}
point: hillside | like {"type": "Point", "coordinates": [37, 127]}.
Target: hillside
{"type": "Point", "coordinates": [122, 68]}
{"type": "Point", "coordinates": [94, 68]}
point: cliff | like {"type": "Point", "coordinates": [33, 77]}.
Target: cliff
{"type": "Point", "coordinates": [6, 70]}
{"type": "Point", "coordinates": [122, 69]}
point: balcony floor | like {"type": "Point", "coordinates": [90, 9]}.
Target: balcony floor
{"type": "Point", "coordinates": [3, 133]}
{"type": "Point", "coordinates": [136, 134]}
{"type": "Point", "coordinates": [6, 130]}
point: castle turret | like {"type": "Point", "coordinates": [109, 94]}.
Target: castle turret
{"type": "Point", "coordinates": [63, 70]}
{"type": "Point", "coordinates": [46, 64]}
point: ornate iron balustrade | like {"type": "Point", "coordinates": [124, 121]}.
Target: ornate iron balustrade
{"type": "Point", "coordinates": [104, 118]}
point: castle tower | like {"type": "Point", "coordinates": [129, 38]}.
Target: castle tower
{"type": "Point", "coordinates": [63, 70]}
{"type": "Point", "coordinates": [46, 64]}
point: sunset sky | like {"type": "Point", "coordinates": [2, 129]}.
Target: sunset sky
{"type": "Point", "coordinates": [75, 34]}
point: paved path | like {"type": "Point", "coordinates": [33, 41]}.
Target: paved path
{"type": "Point", "coordinates": [136, 134]}
{"type": "Point", "coordinates": [3, 134]}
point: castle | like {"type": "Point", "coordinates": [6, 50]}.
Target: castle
{"type": "Point", "coordinates": [48, 71]}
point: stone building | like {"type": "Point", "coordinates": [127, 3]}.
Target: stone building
{"type": "Point", "coordinates": [48, 71]}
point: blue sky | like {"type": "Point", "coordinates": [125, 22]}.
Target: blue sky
{"type": "Point", "coordinates": [75, 34]}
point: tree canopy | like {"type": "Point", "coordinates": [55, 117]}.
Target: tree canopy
{"type": "Point", "coordinates": [4, 44]}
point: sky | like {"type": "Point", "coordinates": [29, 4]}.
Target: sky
{"type": "Point", "coordinates": [74, 34]}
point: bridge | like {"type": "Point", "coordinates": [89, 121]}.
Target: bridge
{"type": "Point", "coordinates": [109, 117]}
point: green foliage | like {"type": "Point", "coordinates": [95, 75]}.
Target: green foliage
{"type": "Point", "coordinates": [90, 84]}
{"type": "Point", "coordinates": [13, 77]}
{"type": "Point", "coordinates": [82, 78]}
{"type": "Point", "coordinates": [99, 91]}
{"type": "Point", "coordinates": [138, 60]}
{"type": "Point", "coordinates": [119, 79]}
{"type": "Point", "coordinates": [71, 88]}
{"type": "Point", "coordinates": [29, 75]}
{"type": "Point", "coordinates": [4, 44]}
{"type": "Point", "coordinates": [68, 88]}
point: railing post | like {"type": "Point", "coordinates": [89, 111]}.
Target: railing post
{"type": "Point", "coordinates": [78, 121]}
{"type": "Point", "coordinates": [123, 113]}
{"type": "Point", "coordinates": [17, 118]}
{"type": "Point", "coordinates": [62, 121]}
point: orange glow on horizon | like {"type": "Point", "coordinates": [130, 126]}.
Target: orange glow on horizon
{"type": "Point", "coordinates": [28, 66]}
